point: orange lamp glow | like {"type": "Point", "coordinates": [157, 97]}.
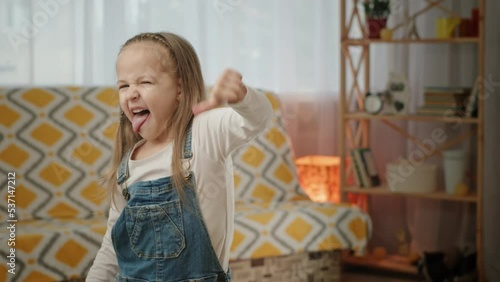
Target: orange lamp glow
{"type": "Point", "coordinates": [319, 176]}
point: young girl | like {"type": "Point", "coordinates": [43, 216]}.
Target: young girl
{"type": "Point", "coordinates": [171, 181]}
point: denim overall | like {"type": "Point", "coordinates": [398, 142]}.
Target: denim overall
{"type": "Point", "coordinates": [159, 237]}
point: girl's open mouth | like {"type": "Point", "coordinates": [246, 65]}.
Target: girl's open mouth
{"type": "Point", "coordinates": [139, 119]}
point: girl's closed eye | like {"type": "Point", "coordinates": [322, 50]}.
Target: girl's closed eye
{"type": "Point", "coordinates": [123, 86]}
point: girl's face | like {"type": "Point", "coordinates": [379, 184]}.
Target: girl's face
{"type": "Point", "coordinates": [148, 93]}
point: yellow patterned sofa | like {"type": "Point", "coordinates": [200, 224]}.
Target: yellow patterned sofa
{"type": "Point", "coordinates": [58, 140]}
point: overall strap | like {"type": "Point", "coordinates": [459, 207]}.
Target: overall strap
{"type": "Point", "coordinates": [187, 143]}
{"type": "Point", "coordinates": [122, 173]}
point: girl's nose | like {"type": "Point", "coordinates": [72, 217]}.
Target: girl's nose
{"type": "Point", "coordinates": [134, 94]}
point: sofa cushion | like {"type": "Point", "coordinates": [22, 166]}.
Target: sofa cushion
{"type": "Point", "coordinates": [53, 249]}
{"type": "Point", "coordinates": [58, 141]}
{"type": "Point", "coordinates": [283, 228]}
{"type": "Point", "coordinates": [263, 169]}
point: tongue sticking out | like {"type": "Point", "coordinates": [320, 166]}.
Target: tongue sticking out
{"type": "Point", "coordinates": [138, 120]}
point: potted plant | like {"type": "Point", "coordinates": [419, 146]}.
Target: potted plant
{"type": "Point", "coordinates": [376, 12]}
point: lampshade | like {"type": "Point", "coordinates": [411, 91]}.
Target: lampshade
{"type": "Point", "coordinates": [319, 176]}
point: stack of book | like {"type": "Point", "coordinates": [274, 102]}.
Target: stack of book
{"type": "Point", "coordinates": [444, 101]}
{"type": "Point", "coordinates": [365, 172]}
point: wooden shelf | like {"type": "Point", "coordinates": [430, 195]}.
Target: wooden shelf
{"type": "Point", "coordinates": [411, 41]}
{"type": "Point", "coordinates": [356, 128]}
{"type": "Point", "coordinates": [392, 263]}
{"type": "Point", "coordinates": [362, 115]}
{"type": "Point", "coordinates": [385, 191]}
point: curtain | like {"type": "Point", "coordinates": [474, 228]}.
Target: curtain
{"type": "Point", "coordinates": [281, 45]}
{"type": "Point", "coordinates": [290, 47]}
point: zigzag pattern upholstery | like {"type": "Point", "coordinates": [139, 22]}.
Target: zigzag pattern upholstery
{"type": "Point", "coordinates": [58, 141]}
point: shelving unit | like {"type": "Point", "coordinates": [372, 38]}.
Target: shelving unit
{"type": "Point", "coordinates": [385, 191]}
{"type": "Point", "coordinates": [365, 116]}
{"type": "Point", "coordinates": [355, 123]}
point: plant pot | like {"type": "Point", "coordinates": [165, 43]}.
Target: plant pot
{"type": "Point", "coordinates": [374, 26]}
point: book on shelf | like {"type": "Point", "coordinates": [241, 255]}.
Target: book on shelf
{"type": "Point", "coordinates": [455, 99]}
{"type": "Point", "coordinates": [440, 111]}
{"type": "Point", "coordinates": [456, 95]}
{"type": "Point", "coordinates": [369, 164]}
{"type": "Point", "coordinates": [472, 105]}
{"type": "Point", "coordinates": [444, 101]}
{"type": "Point", "coordinates": [445, 90]}
{"type": "Point", "coordinates": [364, 166]}
{"type": "Point", "coordinates": [362, 174]}
{"type": "Point", "coordinates": [358, 179]}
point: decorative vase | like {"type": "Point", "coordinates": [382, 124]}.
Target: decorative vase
{"type": "Point", "coordinates": [386, 34]}
{"type": "Point", "coordinates": [374, 26]}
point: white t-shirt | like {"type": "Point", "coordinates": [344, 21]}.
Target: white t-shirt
{"type": "Point", "coordinates": [215, 134]}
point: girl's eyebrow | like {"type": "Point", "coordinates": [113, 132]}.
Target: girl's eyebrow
{"type": "Point", "coordinates": [138, 78]}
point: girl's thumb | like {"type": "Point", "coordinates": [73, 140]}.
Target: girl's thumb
{"type": "Point", "coordinates": [204, 106]}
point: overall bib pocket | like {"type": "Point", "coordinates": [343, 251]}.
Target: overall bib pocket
{"type": "Point", "coordinates": [155, 230]}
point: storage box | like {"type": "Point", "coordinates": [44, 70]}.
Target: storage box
{"type": "Point", "coordinates": [405, 177]}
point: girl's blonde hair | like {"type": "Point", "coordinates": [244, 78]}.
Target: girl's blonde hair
{"type": "Point", "coordinates": [182, 62]}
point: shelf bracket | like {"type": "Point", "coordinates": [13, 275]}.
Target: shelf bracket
{"type": "Point", "coordinates": [355, 14]}
{"type": "Point", "coordinates": [407, 135]}
{"type": "Point", "coordinates": [452, 142]}
{"type": "Point", "coordinates": [354, 72]}
{"type": "Point", "coordinates": [438, 151]}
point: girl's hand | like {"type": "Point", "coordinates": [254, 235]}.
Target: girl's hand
{"type": "Point", "coordinates": [229, 88]}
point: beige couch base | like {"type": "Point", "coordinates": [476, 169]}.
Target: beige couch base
{"type": "Point", "coordinates": [321, 266]}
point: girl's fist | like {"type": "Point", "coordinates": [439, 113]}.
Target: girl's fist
{"type": "Point", "coordinates": [229, 88]}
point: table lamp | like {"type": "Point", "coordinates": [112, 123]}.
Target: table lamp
{"type": "Point", "coordinates": [319, 176]}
